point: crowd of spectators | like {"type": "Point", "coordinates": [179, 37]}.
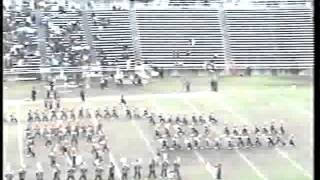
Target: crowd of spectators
{"type": "Point", "coordinates": [19, 35]}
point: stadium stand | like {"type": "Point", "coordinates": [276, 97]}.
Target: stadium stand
{"type": "Point", "coordinates": [164, 31]}
{"type": "Point", "coordinates": [112, 41]}
{"type": "Point", "coordinates": [271, 38]}
{"type": "Point", "coordinates": [29, 59]}
{"type": "Point", "coordinates": [62, 40]}
{"type": "Point", "coordinates": [278, 3]}
{"type": "Point", "coordinates": [261, 37]}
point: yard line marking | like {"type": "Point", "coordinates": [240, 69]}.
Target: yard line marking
{"type": "Point", "coordinates": [246, 121]}
{"type": "Point", "coordinates": [20, 134]}
{"type": "Point", "coordinates": [251, 165]}
{"type": "Point", "coordinates": [255, 169]}
{"type": "Point", "coordinates": [117, 170]}
{"type": "Point", "coordinates": [201, 159]}
{"type": "Point", "coordinates": [294, 163]}
{"type": "Point", "coordinates": [206, 164]}
{"type": "Point", "coordinates": [142, 136]}
{"type": "Point", "coordinates": [5, 135]}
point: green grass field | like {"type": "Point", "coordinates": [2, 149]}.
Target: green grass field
{"type": "Point", "coordinates": [241, 101]}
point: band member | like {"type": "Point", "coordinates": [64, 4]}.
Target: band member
{"type": "Point", "coordinates": [22, 173]}
{"type": "Point", "coordinates": [124, 172]}
{"type": "Point", "coordinates": [137, 169]}
{"type": "Point", "coordinates": [152, 169]}
{"type": "Point", "coordinates": [164, 169]}
{"type": "Point", "coordinates": [56, 173]}
{"type": "Point", "coordinates": [291, 140]}
{"type": "Point", "coordinates": [176, 168]}
{"type": "Point", "coordinates": [111, 171]}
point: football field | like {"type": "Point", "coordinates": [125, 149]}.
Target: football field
{"type": "Point", "coordinates": [240, 101]}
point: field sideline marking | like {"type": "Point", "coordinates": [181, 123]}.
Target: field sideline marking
{"type": "Point", "coordinates": [246, 121]}
{"type": "Point", "coordinates": [5, 142]}
{"type": "Point", "coordinates": [201, 159]}
{"type": "Point", "coordinates": [255, 169]}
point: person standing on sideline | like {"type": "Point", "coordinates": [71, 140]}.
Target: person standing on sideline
{"type": "Point", "coordinates": [187, 84]}
{"type": "Point", "coordinates": [213, 85]}
{"type": "Point", "coordinates": [102, 83]}
{"type": "Point", "coordinates": [105, 81]}
{"type": "Point", "coordinates": [161, 73]}
{"type": "Point", "coordinates": [33, 94]}
{"type": "Point", "coordinates": [218, 172]}
{"type": "Point", "coordinates": [123, 101]}
{"type": "Point", "coordinates": [82, 95]}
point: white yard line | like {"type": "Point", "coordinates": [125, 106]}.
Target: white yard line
{"type": "Point", "coordinates": [246, 121]}
{"type": "Point", "coordinates": [201, 159]}
{"type": "Point", "coordinates": [142, 136]}
{"type": "Point", "coordinates": [294, 163]}
{"type": "Point", "coordinates": [20, 133]}
{"type": "Point", "coordinates": [254, 168]}
{"type": "Point", "coordinates": [112, 159]}
{"type": "Point", "coordinates": [262, 176]}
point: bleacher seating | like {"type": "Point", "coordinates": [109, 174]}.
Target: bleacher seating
{"type": "Point", "coordinates": [58, 19]}
{"type": "Point", "coordinates": [31, 61]}
{"type": "Point", "coordinates": [164, 31]}
{"type": "Point", "coordinates": [269, 37]}
{"type": "Point", "coordinates": [278, 3]}
{"type": "Point", "coordinates": [113, 37]}
{"type": "Point", "coordinates": [192, 2]}
{"type": "Point", "coordinates": [276, 38]}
